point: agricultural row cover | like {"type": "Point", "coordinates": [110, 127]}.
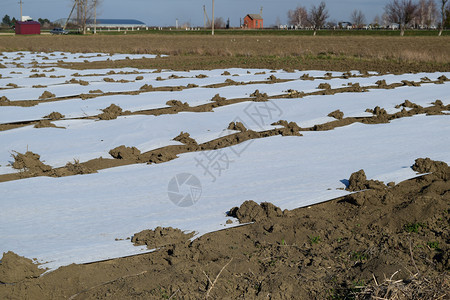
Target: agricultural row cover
{"type": "Point", "coordinates": [89, 217]}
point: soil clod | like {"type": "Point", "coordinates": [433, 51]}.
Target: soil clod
{"type": "Point", "coordinates": [161, 236]}
{"type": "Point", "coordinates": [126, 153]}
{"type": "Point", "coordinates": [358, 181]}
{"type": "Point", "coordinates": [15, 268]}
{"type": "Point", "coordinates": [110, 113]}
{"type": "Point", "coordinates": [337, 114]}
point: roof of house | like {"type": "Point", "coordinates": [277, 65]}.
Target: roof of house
{"type": "Point", "coordinates": [255, 16]}
{"type": "Point", "coordinates": [28, 23]}
{"type": "Point", "coordinates": [109, 22]}
{"type": "Point", "coordinates": [118, 21]}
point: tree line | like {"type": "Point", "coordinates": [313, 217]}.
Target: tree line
{"type": "Point", "coordinates": [8, 22]}
{"type": "Point", "coordinates": [403, 13]}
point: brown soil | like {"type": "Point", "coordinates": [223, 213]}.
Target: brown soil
{"type": "Point", "coordinates": [186, 139]}
{"type": "Point", "coordinates": [30, 162]}
{"type": "Point", "coordinates": [47, 95]}
{"type": "Point", "coordinates": [358, 181]}
{"type": "Point", "coordinates": [160, 237]}
{"type": "Point", "coordinates": [237, 126]}
{"type": "Point", "coordinates": [55, 116]}
{"type": "Point", "coordinates": [325, 86]}
{"type": "Point", "coordinates": [337, 114]}
{"type": "Point", "coordinates": [426, 165]}
{"type": "Point", "coordinates": [46, 123]}
{"type": "Point", "coordinates": [256, 96]}
{"type": "Point", "coordinates": [4, 100]}
{"type": "Point", "coordinates": [127, 153]}
{"type": "Point", "coordinates": [15, 268]}
{"type": "Point", "coordinates": [111, 112]}
{"type": "Point", "coordinates": [74, 168]}
{"type": "Point", "coordinates": [168, 153]}
{"type": "Point", "coordinates": [373, 53]}
{"type": "Point", "coordinates": [391, 243]}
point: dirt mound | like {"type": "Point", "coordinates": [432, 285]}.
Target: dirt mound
{"type": "Point", "coordinates": [15, 268]}
{"type": "Point", "coordinates": [30, 162]}
{"type": "Point", "coordinates": [55, 116]}
{"type": "Point", "coordinates": [259, 97]}
{"type": "Point", "coordinates": [76, 81]}
{"type": "Point", "coordinates": [186, 139]}
{"type": "Point", "coordinates": [358, 181]}
{"type": "Point", "coordinates": [95, 92]}
{"type": "Point", "coordinates": [380, 113]}
{"type": "Point", "coordinates": [218, 98]}
{"type": "Point", "coordinates": [442, 79]}
{"type": "Point", "coordinates": [324, 86]}
{"type": "Point", "coordinates": [438, 103]}
{"type": "Point", "coordinates": [306, 77]}
{"type": "Point", "coordinates": [272, 79]}
{"type": "Point", "coordinates": [44, 124]}
{"type": "Point", "coordinates": [382, 84]}
{"type": "Point", "coordinates": [13, 85]}
{"type": "Point", "coordinates": [160, 156]}
{"type": "Point", "coordinates": [294, 94]}
{"type": "Point", "coordinates": [290, 128]}
{"type": "Point", "coordinates": [161, 236]}
{"type": "Point", "coordinates": [426, 165]}
{"type": "Point", "coordinates": [409, 104]}
{"type": "Point", "coordinates": [410, 83]}
{"type": "Point", "coordinates": [127, 153]}
{"type": "Point", "coordinates": [237, 126]}
{"type": "Point", "coordinates": [146, 87]}
{"type": "Point", "coordinates": [76, 168]}
{"type": "Point", "coordinates": [110, 113]}
{"type": "Point", "coordinates": [47, 95]}
{"type": "Point", "coordinates": [4, 100]}
{"type": "Point", "coordinates": [337, 114]}
{"type": "Point", "coordinates": [250, 211]}
{"type": "Point", "coordinates": [177, 104]}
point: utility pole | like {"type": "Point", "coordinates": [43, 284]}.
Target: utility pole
{"type": "Point", "coordinates": [20, 2]}
{"type": "Point", "coordinates": [213, 20]}
{"type": "Point", "coordinates": [204, 17]}
{"type": "Point", "coordinates": [95, 16]}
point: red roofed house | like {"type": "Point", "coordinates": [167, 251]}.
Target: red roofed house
{"type": "Point", "coordinates": [253, 21]}
{"type": "Point", "coordinates": [28, 27]}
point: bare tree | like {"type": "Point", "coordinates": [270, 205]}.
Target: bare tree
{"type": "Point", "coordinates": [218, 23]}
{"type": "Point", "coordinates": [357, 17]}
{"type": "Point", "coordinates": [376, 21]}
{"type": "Point", "coordinates": [426, 13]}
{"type": "Point", "coordinates": [317, 16]}
{"type": "Point", "coordinates": [278, 22]}
{"type": "Point", "coordinates": [298, 17]}
{"type": "Point", "coordinates": [85, 10]}
{"type": "Point", "coordinates": [401, 12]}
{"type": "Point", "coordinates": [443, 16]}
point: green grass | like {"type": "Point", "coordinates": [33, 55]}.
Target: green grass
{"type": "Point", "coordinates": [433, 245]}
{"type": "Point", "coordinates": [413, 227]}
{"type": "Point", "coordinates": [314, 239]}
{"type": "Point", "coordinates": [359, 256]}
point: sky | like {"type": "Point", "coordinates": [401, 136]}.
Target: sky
{"type": "Point", "coordinates": [165, 13]}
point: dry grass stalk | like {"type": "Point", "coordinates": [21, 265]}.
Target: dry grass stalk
{"type": "Point", "coordinates": [210, 283]}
